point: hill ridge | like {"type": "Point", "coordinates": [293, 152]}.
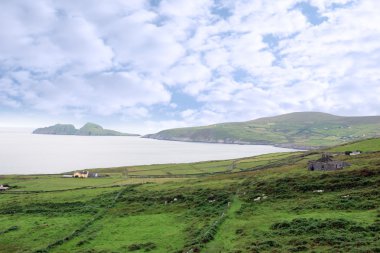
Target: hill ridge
{"type": "Point", "coordinates": [302, 130]}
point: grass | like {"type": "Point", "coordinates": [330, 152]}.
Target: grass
{"type": "Point", "coordinates": [119, 234]}
{"type": "Point", "coordinates": [55, 182]}
{"type": "Point", "coordinates": [34, 230]}
{"type": "Point", "coordinates": [364, 146]}
{"type": "Point", "coordinates": [272, 209]}
{"type": "Point", "coordinates": [209, 167]}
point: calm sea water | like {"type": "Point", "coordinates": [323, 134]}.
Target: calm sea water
{"type": "Point", "coordinates": [24, 153]}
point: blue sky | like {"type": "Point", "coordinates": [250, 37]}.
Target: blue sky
{"type": "Point", "coordinates": [142, 66]}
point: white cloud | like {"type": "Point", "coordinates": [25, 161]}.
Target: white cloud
{"type": "Point", "coordinates": [247, 52]}
{"type": "Point", "coordinates": [145, 46]}
{"type": "Point", "coordinates": [135, 113]}
{"type": "Point", "coordinates": [124, 58]}
{"type": "Point", "coordinates": [188, 72]}
{"type": "Point", "coordinates": [102, 94]}
{"type": "Point", "coordinates": [187, 113]}
{"type": "Point", "coordinates": [116, 91]}
{"type": "Point", "coordinates": [173, 8]}
{"type": "Point", "coordinates": [41, 40]}
{"type": "Point", "coordinates": [324, 4]}
{"type": "Point", "coordinates": [216, 57]}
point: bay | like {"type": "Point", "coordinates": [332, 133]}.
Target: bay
{"type": "Point", "coordinates": [24, 153]}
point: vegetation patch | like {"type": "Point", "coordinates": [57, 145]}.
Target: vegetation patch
{"type": "Point", "coordinates": [335, 233]}
{"type": "Point", "coordinates": [13, 228]}
{"type": "Point", "coordinates": [149, 246]}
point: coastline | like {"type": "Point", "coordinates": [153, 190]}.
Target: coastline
{"type": "Point", "coordinates": [237, 142]}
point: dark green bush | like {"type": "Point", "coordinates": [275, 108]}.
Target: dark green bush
{"type": "Point", "coordinates": [315, 226]}
{"type": "Point", "coordinates": [299, 248]}
{"type": "Point", "coordinates": [268, 245]}
{"type": "Point", "coordinates": [142, 246]}
{"type": "Point", "coordinates": [240, 231]}
{"type": "Point", "coordinates": [13, 228]}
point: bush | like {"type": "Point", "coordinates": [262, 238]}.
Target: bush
{"type": "Point", "coordinates": [298, 248]}
{"type": "Point", "coordinates": [315, 226]}
{"type": "Point", "coordinates": [13, 228]}
{"type": "Point", "coordinates": [145, 246]}
{"type": "Point", "coordinates": [297, 242]}
{"type": "Point", "coordinates": [240, 231]}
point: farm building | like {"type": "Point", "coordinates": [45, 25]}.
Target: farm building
{"type": "Point", "coordinates": [84, 174]}
{"type": "Point", "coordinates": [3, 188]}
{"type": "Point", "coordinates": [326, 163]}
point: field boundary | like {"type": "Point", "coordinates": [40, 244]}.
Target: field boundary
{"type": "Point", "coordinates": [274, 164]}
{"type": "Point", "coordinates": [64, 190]}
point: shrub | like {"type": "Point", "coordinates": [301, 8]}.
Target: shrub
{"type": "Point", "coordinates": [298, 248]}
{"type": "Point", "coordinates": [315, 226]}
{"type": "Point", "coordinates": [13, 228]}
{"type": "Point", "coordinates": [239, 231]}
{"type": "Point", "coordinates": [145, 246]}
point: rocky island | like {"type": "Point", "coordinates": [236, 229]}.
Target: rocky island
{"type": "Point", "coordinates": [89, 129]}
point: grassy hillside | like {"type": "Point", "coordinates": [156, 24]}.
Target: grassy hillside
{"type": "Point", "coordinates": [363, 145]}
{"type": "Point", "coordinates": [300, 130]}
{"type": "Point", "coordinates": [268, 204]}
{"type": "Point", "coordinates": [204, 168]}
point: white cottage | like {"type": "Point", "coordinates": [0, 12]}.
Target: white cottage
{"type": "Point", "coordinates": [3, 188]}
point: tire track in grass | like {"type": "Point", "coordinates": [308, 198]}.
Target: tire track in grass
{"type": "Point", "coordinates": [231, 215]}
{"type": "Point", "coordinates": [211, 232]}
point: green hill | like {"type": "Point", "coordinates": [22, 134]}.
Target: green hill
{"type": "Point", "coordinates": [89, 129]}
{"type": "Point", "coordinates": [281, 207]}
{"type": "Point", "coordinates": [305, 130]}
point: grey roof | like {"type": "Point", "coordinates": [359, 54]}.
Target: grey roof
{"type": "Point", "coordinates": [325, 158]}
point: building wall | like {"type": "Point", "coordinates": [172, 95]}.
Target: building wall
{"type": "Point", "coordinates": [78, 174]}
{"type": "Point", "coordinates": [333, 165]}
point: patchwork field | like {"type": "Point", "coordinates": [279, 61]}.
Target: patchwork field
{"type": "Point", "coordinates": [269, 203]}
{"type": "Point", "coordinates": [202, 168]}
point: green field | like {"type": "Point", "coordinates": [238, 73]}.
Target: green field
{"type": "Point", "coordinates": [364, 146]}
{"type": "Point", "coordinates": [201, 168]}
{"type": "Point", "coordinates": [268, 203]}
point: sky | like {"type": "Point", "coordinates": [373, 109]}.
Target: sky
{"type": "Point", "coordinates": [146, 65]}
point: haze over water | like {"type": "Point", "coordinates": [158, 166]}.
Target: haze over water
{"type": "Point", "coordinates": [24, 153]}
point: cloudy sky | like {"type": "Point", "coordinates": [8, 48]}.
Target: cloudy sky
{"type": "Point", "coordinates": [145, 65]}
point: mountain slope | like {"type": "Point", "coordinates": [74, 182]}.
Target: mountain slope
{"type": "Point", "coordinates": [87, 130]}
{"type": "Point", "coordinates": [297, 130]}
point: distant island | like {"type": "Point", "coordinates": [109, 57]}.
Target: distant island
{"type": "Point", "coordinates": [302, 130]}
{"type": "Point", "coordinates": [89, 129]}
